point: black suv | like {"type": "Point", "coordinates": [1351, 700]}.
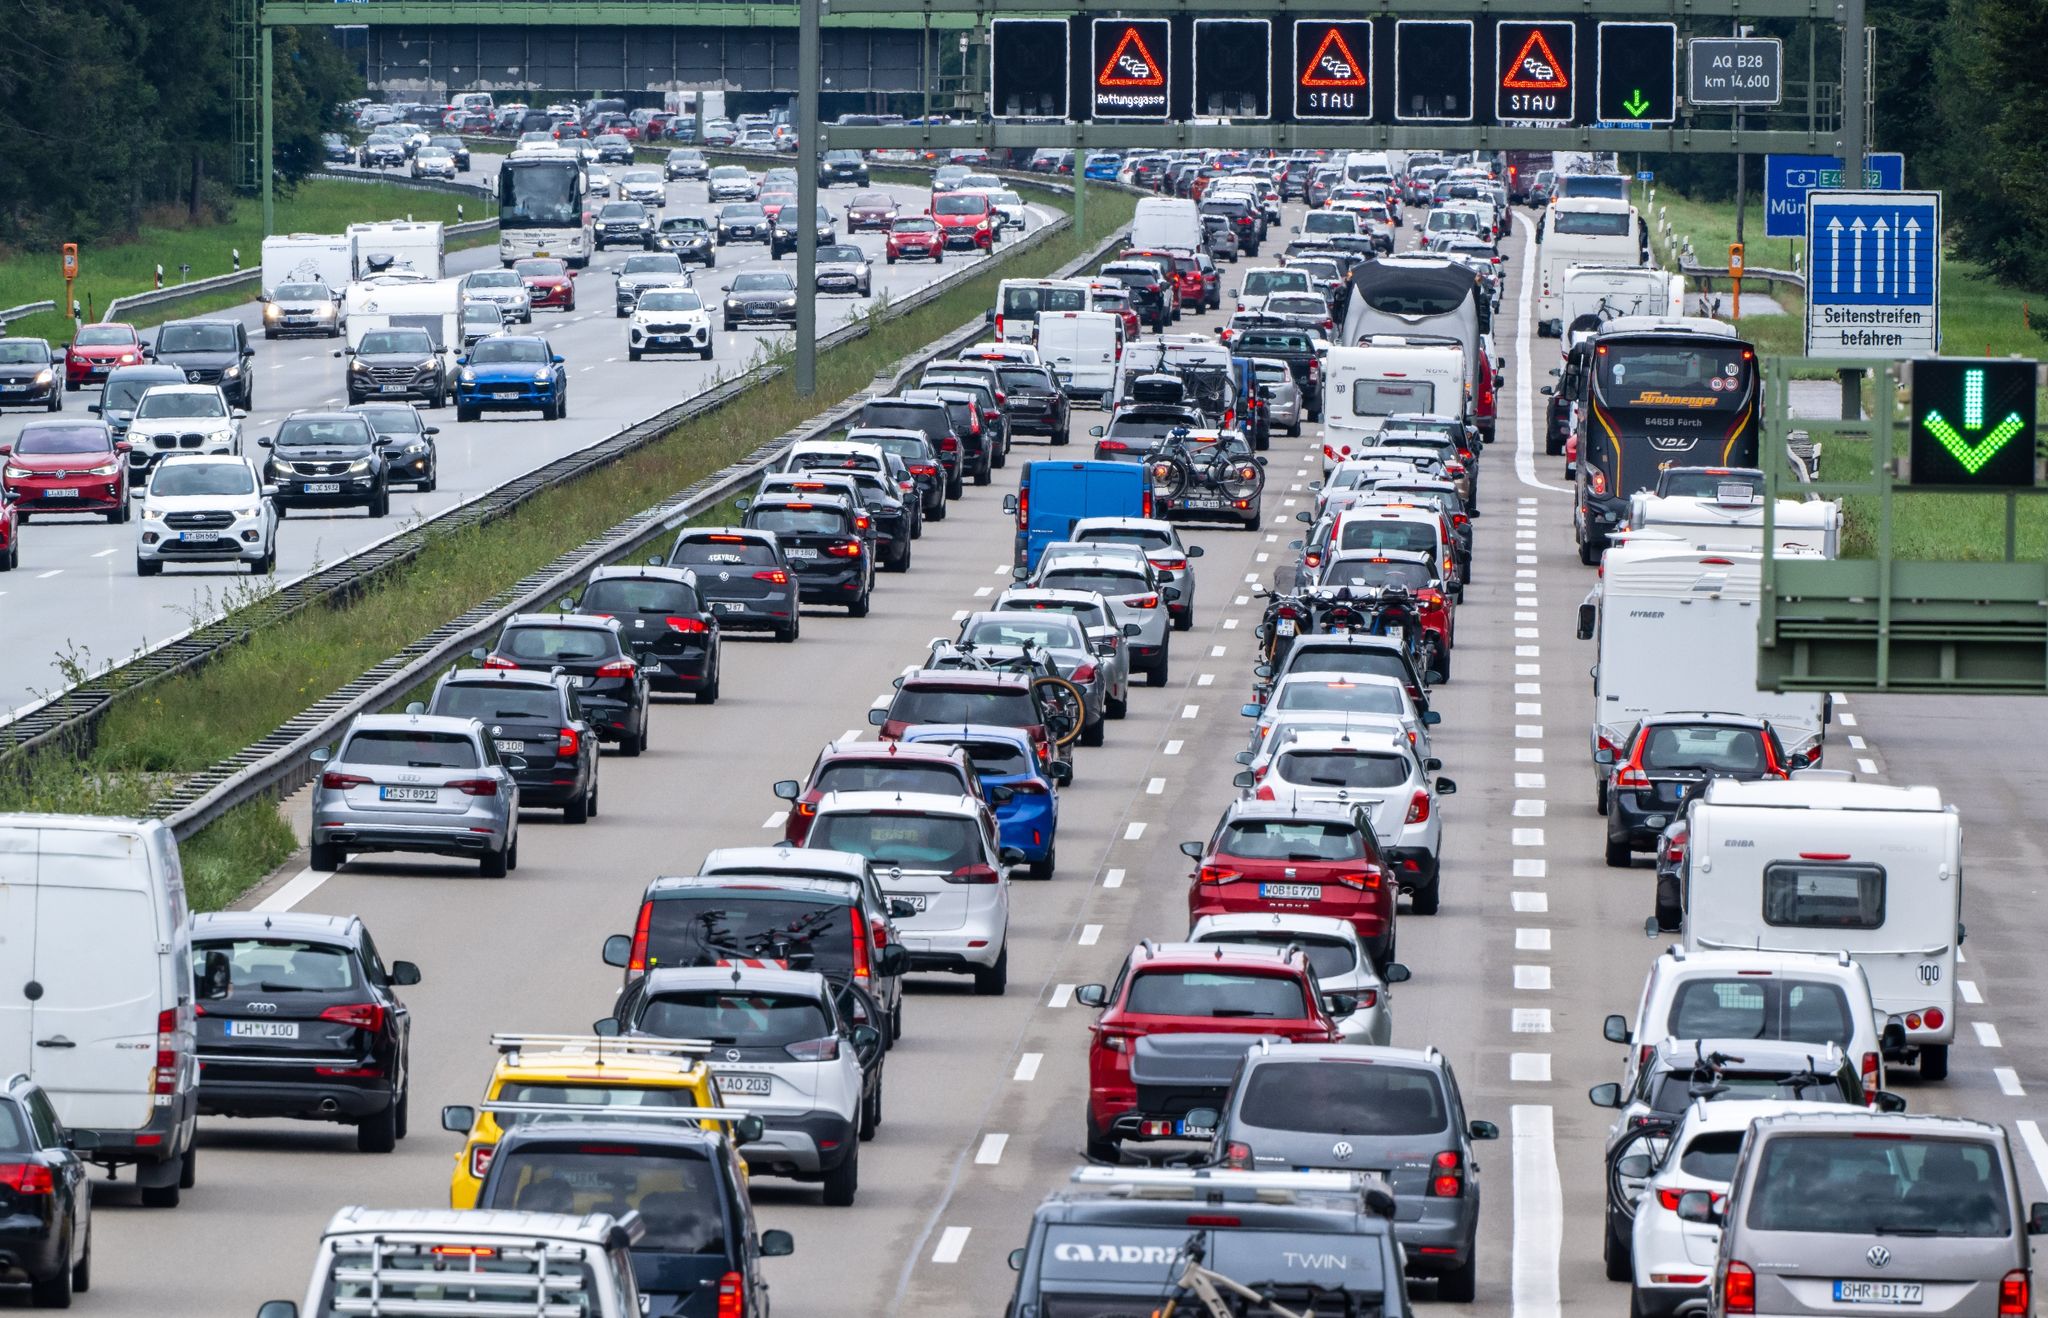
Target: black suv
{"type": "Point", "coordinates": [742, 577]}
{"type": "Point", "coordinates": [398, 364]}
{"type": "Point", "coordinates": [1034, 403]}
{"type": "Point", "coordinates": [211, 352]}
{"type": "Point", "coordinates": [45, 1198]}
{"type": "Point", "coordinates": [920, 457]}
{"type": "Point", "coordinates": [535, 718]}
{"type": "Point", "coordinates": [610, 687]}
{"type": "Point", "coordinates": [689, 237]}
{"type": "Point", "coordinates": [977, 455]}
{"type": "Point", "coordinates": [327, 460]}
{"type": "Point", "coordinates": [663, 621]}
{"type": "Point", "coordinates": [298, 1018]}
{"type": "Point", "coordinates": [931, 418]}
{"type": "Point", "coordinates": [1664, 761]}
{"type": "Point", "coordinates": [623, 222]}
{"type": "Point", "coordinates": [700, 1252]}
{"type": "Point", "coordinates": [826, 549]}
{"type": "Point", "coordinates": [408, 441]}
{"type": "Point", "coordinates": [890, 518]}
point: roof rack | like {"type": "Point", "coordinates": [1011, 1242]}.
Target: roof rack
{"type": "Point", "coordinates": [1223, 1185]}
{"type": "Point", "coordinates": [512, 1045]}
{"type": "Point", "coordinates": [605, 1112]}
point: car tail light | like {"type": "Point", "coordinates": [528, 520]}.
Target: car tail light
{"type": "Point", "coordinates": [924, 469]}
{"type": "Point", "coordinates": [774, 577]}
{"type": "Point", "coordinates": [999, 327]}
{"type": "Point", "coordinates": [571, 742]}
{"type": "Point", "coordinates": [732, 1296]}
{"type": "Point", "coordinates": [1934, 1018]}
{"type": "Point", "coordinates": [1237, 1156]}
{"type": "Point", "coordinates": [845, 549]}
{"type": "Point", "coordinates": [169, 1043]}
{"type": "Point", "coordinates": [341, 782]}
{"type": "Point", "coordinates": [474, 786]}
{"type": "Point", "coordinates": [1598, 481]}
{"type": "Point", "coordinates": [1738, 1288]}
{"type": "Point", "coordinates": [1418, 808]}
{"type": "Point", "coordinates": [861, 969]}
{"type": "Point", "coordinates": [974, 874]}
{"type": "Point", "coordinates": [1143, 601]}
{"type": "Point", "coordinates": [949, 444]}
{"type": "Point", "coordinates": [1029, 787]}
{"type": "Point", "coordinates": [2016, 1293]}
{"type": "Point", "coordinates": [625, 668]}
{"type": "Point", "coordinates": [1631, 774]}
{"type": "Point", "coordinates": [637, 961]}
{"type": "Point", "coordinates": [1169, 564]}
{"type": "Point", "coordinates": [1870, 1079]}
{"type": "Point", "coordinates": [361, 1015]}
{"type": "Point", "coordinates": [1085, 673]}
{"type": "Point", "coordinates": [1447, 1175]}
{"type": "Point", "coordinates": [815, 1050]}
{"type": "Point", "coordinates": [494, 661]}
{"type": "Point", "coordinates": [1669, 1198]}
{"type": "Point", "coordinates": [1217, 874]}
{"type": "Point", "coordinates": [686, 625]}
{"type": "Point", "coordinates": [862, 522]}
{"type": "Point", "coordinates": [34, 1178]}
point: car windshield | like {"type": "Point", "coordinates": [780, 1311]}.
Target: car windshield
{"type": "Point", "coordinates": [301, 293]}
{"type": "Point", "coordinates": [495, 279]}
{"type": "Point", "coordinates": [767, 281]}
{"type": "Point", "coordinates": [1003, 707]}
{"type": "Point", "coordinates": [1716, 749]}
{"type": "Point", "coordinates": [508, 350]}
{"type": "Point", "coordinates": [96, 336]}
{"type": "Point", "coordinates": [160, 403]}
{"type": "Point", "coordinates": [1288, 839]}
{"type": "Point", "coordinates": [302, 432]}
{"type": "Point", "coordinates": [196, 338]}
{"type": "Point", "coordinates": [711, 929]}
{"type": "Point", "coordinates": [406, 748]}
{"type": "Point", "coordinates": [481, 313]}
{"type": "Point", "coordinates": [913, 224]}
{"type": "Point", "coordinates": [1387, 533]}
{"type": "Point", "coordinates": [19, 352]}
{"type": "Point", "coordinates": [1026, 629]}
{"type": "Point", "coordinates": [1216, 994]}
{"type": "Point", "coordinates": [641, 176]}
{"type": "Point", "coordinates": [1369, 1099]}
{"type": "Point", "coordinates": [1338, 694]}
{"type": "Point", "coordinates": [1374, 573]}
{"type": "Point", "coordinates": [1264, 283]}
{"type": "Point", "coordinates": [1758, 1007]}
{"type": "Point", "coordinates": [900, 774]}
{"type": "Point", "coordinates": [177, 478]}
{"type": "Point", "coordinates": [733, 551]}
{"type": "Point", "coordinates": [82, 437]}
{"type": "Point", "coordinates": [872, 201]}
{"type": "Point", "coordinates": [728, 171]}
{"type": "Point", "coordinates": [1880, 1185]}
{"type": "Point", "coordinates": [754, 1017]}
{"type": "Point", "coordinates": [276, 965]}
{"type": "Point", "coordinates": [491, 701]}
{"type": "Point", "coordinates": [947, 843]}
{"type": "Point", "coordinates": [1093, 579]}
{"type": "Point", "coordinates": [541, 268]}
{"type": "Point", "coordinates": [676, 299]}
{"type": "Point", "coordinates": [1342, 769]}
{"type": "Point", "coordinates": [844, 252]}
{"type": "Point", "coordinates": [396, 341]}
{"type": "Point", "coordinates": [789, 519]}
{"type": "Point", "coordinates": [433, 153]}
{"type": "Point", "coordinates": [1297, 304]}
{"type": "Point", "coordinates": [622, 210]}
{"type": "Point", "coordinates": [675, 1190]}
{"type": "Point", "coordinates": [654, 263]}
{"type": "Point", "coordinates": [743, 210]}
{"type": "Point", "coordinates": [544, 644]}
{"type": "Point", "coordinates": [639, 595]}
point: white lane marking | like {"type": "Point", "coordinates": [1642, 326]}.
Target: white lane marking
{"type": "Point", "coordinates": [1217, 651]}
{"type": "Point", "coordinates": [1961, 960]}
{"type": "Point", "coordinates": [1289, 503]}
{"type": "Point", "coordinates": [1528, 755]}
{"type": "Point", "coordinates": [1294, 489]}
{"type": "Point", "coordinates": [1205, 679]}
{"type": "Point", "coordinates": [1525, 558]}
{"type": "Point", "coordinates": [1857, 744]}
{"type": "Point", "coordinates": [1527, 633]}
{"type": "Point", "coordinates": [851, 734]}
{"type": "Point", "coordinates": [1252, 577]}
{"type": "Point", "coordinates": [1866, 765]}
{"type": "Point", "coordinates": [1529, 781]}
{"type": "Point", "coordinates": [1528, 670]}
{"type": "Point", "coordinates": [882, 701]}
{"type": "Point", "coordinates": [1846, 720]}
{"type": "Point", "coordinates": [1532, 940]}
{"type": "Point", "coordinates": [1190, 711]}
{"type": "Point", "coordinates": [776, 820]}
{"type": "Point", "coordinates": [1528, 689]}
{"type": "Point", "coordinates": [45, 576]}
{"type": "Point", "coordinates": [991, 1151]}
{"type": "Point", "coordinates": [1272, 539]}
{"type": "Point", "coordinates": [1062, 994]}
{"type": "Point", "coordinates": [1529, 731]}
{"type": "Point", "coordinates": [1528, 709]}
{"type": "Point", "coordinates": [960, 615]}
{"type": "Point", "coordinates": [1525, 615]}
{"type": "Point", "coordinates": [983, 592]}
{"type": "Point", "coordinates": [1091, 934]}
{"type": "Point", "coordinates": [1838, 697]}
{"type": "Point", "coordinates": [1526, 500]}
{"type": "Point", "coordinates": [1173, 747]}
{"type": "Point", "coordinates": [2008, 1081]}
{"type": "Point", "coordinates": [1113, 879]}
{"type": "Point", "coordinates": [1230, 624]}
{"type": "Point", "coordinates": [1531, 809]}
{"type": "Point", "coordinates": [297, 890]}
{"type": "Point", "coordinates": [1539, 1197]}
{"type": "Point", "coordinates": [2037, 1148]}
{"type": "Point", "coordinates": [1525, 572]}
{"type": "Point", "coordinates": [1027, 1066]}
{"type": "Point", "coordinates": [1529, 651]}
{"type": "Point", "coordinates": [1987, 1034]}
{"type": "Point", "coordinates": [951, 1242]}
{"type": "Point", "coordinates": [1134, 830]}
{"type": "Point", "coordinates": [1529, 1068]}
{"type": "Point", "coordinates": [1157, 787]}
{"type": "Point", "coordinates": [1525, 587]}
{"type": "Point", "coordinates": [1968, 988]}
{"type": "Point", "coordinates": [1242, 600]}
{"type": "Point", "coordinates": [1003, 571]}
{"type": "Point", "coordinates": [1532, 979]}
{"type": "Point", "coordinates": [1526, 837]}
{"type": "Point", "coordinates": [1529, 1020]}
{"type": "Point", "coordinates": [103, 553]}
{"type": "Point", "coordinates": [1529, 903]}
{"type": "Point", "coordinates": [1531, 869]}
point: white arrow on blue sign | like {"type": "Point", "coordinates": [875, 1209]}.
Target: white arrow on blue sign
{"type": "Point", "coordinates": [1873, 273]}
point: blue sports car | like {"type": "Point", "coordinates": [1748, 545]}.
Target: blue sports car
{"type": "Point", "coordinates": [1025, 792]}
{"type": "Point", "coordinates": [511, 373]}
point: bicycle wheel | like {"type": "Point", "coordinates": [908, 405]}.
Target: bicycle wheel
{"type": "Point", "coordinates": [1170, 476]}
{"type": "Point", "coordinates": [1065, 708]}
{"type": "Point", "coordinates": [1237, 480]}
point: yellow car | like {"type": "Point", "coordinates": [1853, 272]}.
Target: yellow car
{"type": "Point", "coordinates": [575, 1070]}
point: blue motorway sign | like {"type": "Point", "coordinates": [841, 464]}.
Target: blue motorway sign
{"type": "Point", "coordinates": [1873, 280]}
{"type": "Point", "coordinates": [1787, 180]}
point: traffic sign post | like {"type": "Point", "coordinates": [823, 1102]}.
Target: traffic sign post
{"type": "Point", "coordinates": [1638, 77]}
{"type": "Point", "coordinates": [1748, 71]}
{"type": "Point", "coordinates": [68, 263]}
{"type": "Point", "coordinates": [1873, 282]}
{"type": "Point", "coordinates": [1535, 79]}
{"type": "Point", "coordinates": [1130, 66]}
{"type": "Point", "coordinates": [1433, 70]}
{"type": "Point", "coordinates": [1787, 180]}
{"type": "Point", "coordinates": [1333, 70]}
{"type": "Point", "coordinates": [1233, 68]}
{"type": "Point", "coordinates": [1027, 67]}
{"type": "Point", "coordinates": [1974, 423]}
{"type": "Point", "coordinates": [1735, 278]}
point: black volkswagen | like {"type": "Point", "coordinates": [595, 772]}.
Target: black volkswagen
{"type": "Point", "coordinates": [298, 1017]}
{"type": "Point", "coordinates": [532, 716]}
{"type": "Point", "coordinates": [663, 621]}
{"type": "Point", "coordinates": [742, 577]}
{"type": "Point", "coordinates": [826, 549]}
{"type": "Point", "coordinates": [609, 684]}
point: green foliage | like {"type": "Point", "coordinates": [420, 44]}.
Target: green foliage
{"type": "Point", "coordinates": [1992, 87]}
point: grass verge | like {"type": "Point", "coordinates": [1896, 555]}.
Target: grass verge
{"type": "Point", "coordinates": [115, 269]}
{"type": "Point", "coordinates": [1945, 528]}
{"type": "Point", "coordinates": [189, 722]}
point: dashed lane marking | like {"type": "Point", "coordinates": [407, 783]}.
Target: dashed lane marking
{"type": "Point", "coordinates": [1528, 755]}
{"type": "Point", "coordinates": [1532, 979]}
{"type": "Point", "coordinates": [1529, 781]}
{"type": "Point", "coordinates": [951, 1242]}
{"type": "Point", "coordinates": [1113, 879]}
{"type": "Point", "coordinates": [1529, 1068]}
{"type": "Point", "coordinates": [1528, 868]}
{"type": "Point", "coordinates": [991, 1151]}
{"type": "Point", "coordinates": [1134, 830]}
{"type": "Point", "coordinates": [1987, 1034]}
{"type": "Point", "coordinates": [1532, 940]}
{"type": "Point", "coordinates": [1091, 934]}
{"type": "Point", "coordinates": [1529, 903]}
{"type": "Point", "coordinates": [1062, 994]}
{"type": "Point", "coordinates": [1526, 837]}
{"type": "Point", "coordinates": [1027, 1066]}
{"type": "Point", "coordinates": [2008, 1081]}
{"type": "Point", "coordinates": [1968, 988]}
{"type": "Point", "coordinates": [1172, 747]}
{"type": "Point", "coordinates": [776, 820]}
{"type": "Point", "coordinates": [1157, 787]}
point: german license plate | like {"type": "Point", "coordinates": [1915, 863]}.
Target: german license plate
{"type": "Point", "coordinates": [665, 338]}
{"type": "Point", "coordinates": [916, 899]}
{"type": "Point", "coordinates": [1203, 501]}
{"type": "Point", "coordinates": [799, 551]}
{"type": "Point", "coordinates": [505, 393]}
{"type": "Point", "coordinates": [196, 537]}
{"type": "Point", "coordinates": [262, 1029]}
{"type": "Point", "coordinates": [390, 388]}
{"type": "Point", "coordinates": [1879, 1292]}
{"type": "Point", "coordinates": [1292, 892]}
{"type": "Point", "coordinates": [1283, 627]}
{"type": "Point", "coordinates": [323, 487]}
{"type": "Point", "coordinates": [60, 494]}
{"type": "Point", "coordinates": [1182, 1128]}
{"type": "Point", "coordinates": [511, 747]}
{"type": "Point", "coordinates": [421, 794]}
{"type": "Point", "coordinates": [298, 320]}
{"type": "Point", "coordinates": [729, 606]}
{"type": "Point", "coordinates": [759, 1085]}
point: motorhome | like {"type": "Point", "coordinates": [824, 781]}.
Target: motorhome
{"type": "Point", "coordinates": [1384, 375]}
{"type": "Point", "coordinates": [307, 258]}
{"type": "Point", "coordinates": [415, 245]}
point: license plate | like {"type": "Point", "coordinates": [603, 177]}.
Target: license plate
{"type": "Point", "coordinates": [1203, 501]}
{"type": "Point", "coordinates": [298, 320]}
{"type": "Point", "coordinates": [1181, 1127]}
{"type": "Point", "coordinates": [729, 606]}
{"type": "Point", "coordinates": [196, 537]}
{"type": "Point", "coordinates": [323, 487]}
{"type": "Point", "coordinates": [665, 338]}
{"type": "Point", "coordinates": [760, 311]}
{"type": "Point", "coordinates": [798, 551]}
{"type": "Point", "coordinates": [1298, 892]}
{"type": "Point", "coordinates": [1283, 627]}
{"type": "Point", "coordinates": [505, 393]}
{"type": "Point", "coordinates": [511, 748]}
{"type": "Point", "coordinates": [760, 1085]}
{"type": "Point", "coordinates": [423, 794]}
{"type": "Point", "coordinates": [391, 389]}
{"type": "Point", "coordinates": [262, 1029]}
{"type": "Point", "coordinates": [916, 899]}
{"type": "Point", "coordinates": [13, 388]}
{"type": "Point", "coordinates": [60, 494]}
{"type": "Point", "coordinates": [1879, 1292]}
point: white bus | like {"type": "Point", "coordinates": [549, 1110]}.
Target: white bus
{"type": "Point", "coordinates": [1582, 231]}
{"type": "Point", "coordinates": [543, 207]}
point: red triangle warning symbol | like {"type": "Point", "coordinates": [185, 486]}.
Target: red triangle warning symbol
{"type": "Point", "coordinates": [1333, 64]}
{"type": "Point", "coordinates": [1131, 64]}
{"type": "Point", "coordinates": [1536, 69]}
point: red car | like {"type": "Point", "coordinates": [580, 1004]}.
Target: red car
{"type": "Point", "coordinates": [67, 467]}
{"type": "Point", "coordinates": [99, 349]}
{"type": "Point", "coordinates": [549, 282]}
{"type": "Point", "coordinates": [1188, 988]}
{"type": "Point", "coordinates": [10, 535]}
{"type": "Point", "coordinates": [773, 202]}
{"type": "Point", "coordinates": [967, 219]}
{"type": "Point", "coordinates": [870, 210]}
{"type": "Point", "coordinates": [878, 766]}
{"type": "Point", "coordinates": [1309, 859]}
{"type": "Point", "coordinates": [914, 236]}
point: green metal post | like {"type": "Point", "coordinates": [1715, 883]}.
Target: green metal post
{"type": "Point", "coordinates": [810, 142]}
{"type": "Point", "coordinates": [269, 182]}
{"type": "Point", "coordinates": [1080, 197]}
{"type": "Point", "coordinates": [1855, 147]}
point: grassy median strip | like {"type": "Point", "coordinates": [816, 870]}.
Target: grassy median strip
{"type": "Point", "coordinates": [187, 723]}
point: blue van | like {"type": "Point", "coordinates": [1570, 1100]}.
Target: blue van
{"type": "Point", "coordinates": [1054, 494]}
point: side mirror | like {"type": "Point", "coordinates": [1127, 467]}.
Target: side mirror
{"type": "Point", "coordinates": [2037, 1219]}
{"type": "Point", "coordinates": [1483, 1130]}
{"type": "Point", "coordinates": [1893, 1037]}
{"type": "Point", "coordinates": [263, 442]}
{"type": "Point", "coordinates": [989, 317]}
{"type": "Point", "coordinates": [1650, 927]}
{"type": "Point", "coordinates": [556, 358]}
{"type": "Point", "coordinates": [1589, 617]}
{"type": "Point", "coordinates": [866, 1038]}
{"type": "Point", "coordinates": [1698, 1206]}
{"type": "Point", "coordinates": [479, 654]}
{"type": "Point", "coordinates": [459, 361]}
{"type": "Point", "coordinates": [618, 950]}
{"type": "Point", "coordinates": [901, 908]}
{"type": "Point", "coordinates": [776, 1243]}
{"type": "Point", "coordinates": [1244, 780]}
{"type": "Point", "coordinates": [1263, 670]}
{"type": "Point", "coordinates": [404, 974]}
{"type": "Point", "coordinates": [1395, 973]}
{"type": "Point", "coordinates": [94, 408]}
{"type": "Point", "coordinates": [81, 1141]}
{"type": "Point", "coordinates": [1192, 850]}
{"type": "Point", "coordinates": [742, 504]}
{"type": "Point", "coordinates": [1603, 756]}
{"type": "Point", "coordinates": [1134, 629]}
{"type": "Point", "coordinates": [605, 1028]}
{"type": "Point", "coordinates": [458, 1119]}
{"type": "Point", "coordinates": [1446, 787]}
{"type": "Point", "coordinates": [1887, 1101]}
{"type": "Point", "coordinates": [893, 959]}
{"type": "Point", "coordinates": [277, 1309]}
{"type": "Point", "coordinates": [1010, 504]}
{"type": "Point", "coordinates": [1095, 431]}
{"type": "Point", "coordinates": [1430, 718]}
{"type": "Point", "coordinates": [877, 717]}
{"type": "Point", "coordinates": [1170, 593]}
{"type": "Point", "coordinates": [789, 789]}
{"type": "Point", "coordinates": [1635, 1167]}
{"type": "Point", "coordinates": [1017, 1259]}
{"type": "Point", "coordinates": [1305, 517]}
{"type": "Point", "coordinates": [1547, 390]}
{"type": "Point", "coordinates": [516, 763]}
{"type": "Point", "coordinates": [1001, 795]}
{"type": "Point", "coordinates": [1060, 772]}
{"type": "Point", "coordinates": [1194, 551]}
{"type": "Point", "coordinates": [1615, 1029]}
{"type": "Point", "coordinates": [1251, 711]}
{"type": "Point", "coordinates": [1092, 995]}
{"type": "Point", "coordinates": [1340, 1005]}
{"type": "Point", "coordinates": [1011, 855]}
{"type": "Point", "coordinates": [1607, 1095]}
{"type": "Point", "coordinates": [321, 755]}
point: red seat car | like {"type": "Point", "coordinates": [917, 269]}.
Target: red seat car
{"type": "Point", "coordinates": [1313, 859]}
{"type": "Point", "coordinates": [967, 219]}
{"type": "Point", "coordinates": [100, 348]}
{"type": "Point", "coordinates": [962, 695]}
{"type": "Point", "coordinates": [549, 282]}
{"type": "Point", "coordinates": [914, 236]}
{"type": "Point", "coordinates": [1190, 989]}
{"type": "Point", "coordinates": [67, 467]}
{"type": "Point", "coordinates": [878, 766]}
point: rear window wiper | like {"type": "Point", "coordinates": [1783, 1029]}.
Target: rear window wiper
{"type": "Point", "coordinates": [1889, 1230]}
{"type": "Point", "coordinates": [268, 986]}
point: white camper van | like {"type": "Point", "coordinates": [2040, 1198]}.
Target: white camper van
{"type": "Point", "coordinates": [1383, 375]}
{"type": "Point", "coordinates": [434, 305]}
{"type": "Point", "coordinates": [1580, 231]}
{"type": "Point", "coordinates": [415, 245]}
{"type": "Point", "coordinates": [1592, 295]}
{"type": "Point", "coordinates": [96, 988]}
{"type": "Point", "coordinates": [306, 258]}
{"type": "Point", "coordinates": [1805, 865]}
{"type": "Point", "coordinates": [1734, 519]}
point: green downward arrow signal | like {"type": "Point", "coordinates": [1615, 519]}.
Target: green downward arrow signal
{"type": "Point", "coordinates": [1636, 105]}
{"type": "Point", "coordinates": [1971, 454]}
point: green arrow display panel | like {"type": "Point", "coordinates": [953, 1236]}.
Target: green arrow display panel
{"type": "Point", "coordinates": [1973, 423]}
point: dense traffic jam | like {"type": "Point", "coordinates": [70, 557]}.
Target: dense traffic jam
{"type": "Point", "coordinates": [1258, 1134]}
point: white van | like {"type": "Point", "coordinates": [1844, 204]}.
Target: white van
{"type": "Point", "coordinates": [307, 258]}
{"type": "Point", "coordinates": [1162, 223]}
{"type": "Point", "coordinates": [1362, 165]}
{"type": "Point", "coordinates": [1661, 597]}
{"type": "Point", "coordinates": [1582, 231]}
{"type": "Point", "coordinates": [1818, 866]}
{"type": "Point", "coordinates": [416, 245]}
{"type": "Point", "coordinates": [1734, 519]}
{"type": "Point", "coordinates": [1083, 350]}
{"type": "Point", "coordinates": [1383, 375]}
{"type": "Point", "coordinates": [1020, 302]}
{"type": "Point", "coordinates": [1601, 293]}
{"type": "Point", "coordinates": [96, 987]}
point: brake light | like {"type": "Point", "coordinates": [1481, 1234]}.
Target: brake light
{"type": "Point", "coordinates": [815, 1050]}
{"type": "Point", "coordinates": [974, 874]}
{"type": "Point", "coordinates": [571, 741]}
{"type": "Point", "coordinates": [1738, 1286]}
{"type": "Point", "coordinates": [999, 327]}
{"type": "Point", "coordinates": [619, 668]}
{"type": "Point", "coordinates": [862, 522]}
{"type": "Point", "coordinates": [1169, 564]}
{"type": "Point", "coordinates": [1669, 1198]}
{"type": "Point", "coordinates": [1029, 787]}
{"type": "Point", "coordinates": [1217, 874]}
{"type": "Point", "coordinates": [1447, 1175]}
{"type": "Point", "coordinates": [860, 945]}
{"type": "Point", "coordinates": [845, 549]}
{"type": "Point", "coordinates": [686, 625]}
{"type": "Point", "coordinates": [474, 786]}
{"type": "Point", "coordinates": [774, 576]}
{"type": "Point", "coordinates": [1598, 481]}
{"type": "Point", "coordinates": [2016, 1293]}
{"type": "Point", "coordinates": [361, 1015]}
{"type": "Point", "coordinates": [924, 469]}
{"type": "Point", "coordinates": [732, 1296]}
{"type": "Point", "coordinates": [1631, 774]}
{"type": "Point", "coordinates": [1870, 1079]}
{"type": "Point", "coordinates": [1237, 1156]}
{"type": "Point", "coordinates": [949, 444]}
{"type": "Point", "coordinates": [338, 782]}
{"type": "Point", "coordinates": [1143, 602]}
{"type": "Point", "coordinates": [1418, 808]}
{"type": "Point", "coordinates": [493, 661]}
{"type": "Point", "coordinates": [638, 960]}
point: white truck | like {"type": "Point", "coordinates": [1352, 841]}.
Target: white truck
{"type": "Point", "coordinates": [416, 245]}
{"type": "Point", "coordinates": [1380, 376]}
{"type": "Point", "coordinates": [1589, 296]}
{"type": "Point", "coordinates": [434, 305]}
{"type": "Point", "coordinates": [1811, 865]}
{"type": "Point", "coordinates": [307, 258]}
